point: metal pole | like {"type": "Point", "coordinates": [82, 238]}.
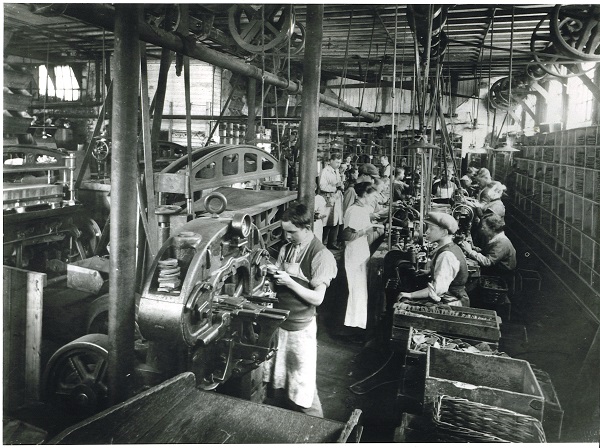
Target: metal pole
{"type": "Point", "coordinates": [251, 123]}
{"type": "Point", "coordinates": [103, 16]}
{"type": "Point", "coordinates": [123, 211]}
{"type": "Point", "coordinates": [310, 106]}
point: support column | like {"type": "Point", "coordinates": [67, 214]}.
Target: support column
{"type": "Point", "coordinates": [251, 100]}
{"type": "Point", "coordinates": [123, 211]}
{"type": "Point", "coordinates": [309, 130]}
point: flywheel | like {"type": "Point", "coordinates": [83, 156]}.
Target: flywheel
{"type": "Point", "coordinates": [75, 378]}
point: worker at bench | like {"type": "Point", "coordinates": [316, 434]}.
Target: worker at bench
{"type": "Point", "coordinates": [449, 272]}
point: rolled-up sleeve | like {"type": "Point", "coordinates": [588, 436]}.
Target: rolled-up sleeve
{"type": "Point", "coordinates": [323, 268]}
{"type": "Point", "coordinates": [445, 270]}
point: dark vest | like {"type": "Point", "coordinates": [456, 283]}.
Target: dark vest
{"type": "Point", "coordinates": [457, 287]}
{"type": "Point", "coordinates": [301, 312]}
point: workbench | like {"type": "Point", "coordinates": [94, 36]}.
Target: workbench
{"type": "Point", "coordinates": [177, 412]}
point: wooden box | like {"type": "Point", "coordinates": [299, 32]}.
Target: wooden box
{"type": "Point", "coordinates": [493, 380]}
{"type": "Point", "coordinates": [553, 412]}
{"type": "Point", "coordinates": [472, 323]}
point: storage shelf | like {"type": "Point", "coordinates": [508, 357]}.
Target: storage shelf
{"type": "Point", "coordinates": [557, 189]}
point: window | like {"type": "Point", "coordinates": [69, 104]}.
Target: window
{"type": "Point", "coordinates": [67, 88]}
{"type": "Point", "coordinates": [554, 106]}
{"type": "Point", "coordinates": [581, 100]}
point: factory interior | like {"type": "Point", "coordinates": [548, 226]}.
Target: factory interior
{"type": "Point", "coordinates": [301, 223]}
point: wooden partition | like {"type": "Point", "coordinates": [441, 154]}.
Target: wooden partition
{"type": "Point", "coordinates": [23, 293]}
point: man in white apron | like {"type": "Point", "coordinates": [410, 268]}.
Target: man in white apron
{"type": "Point", "coordinates": [303, 272]}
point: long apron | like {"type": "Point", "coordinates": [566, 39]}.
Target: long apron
{"type": "Point", "coordinates": [294, 366]}
{"type": "Point", "coordinates": [356, 257]}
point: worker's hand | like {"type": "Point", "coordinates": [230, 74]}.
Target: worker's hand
{"type": "Point", "coordinates": [404, 296]}
{"type": "Point", "coordinates": [283, 278]}
{"type": "Point", "coordinates": [466, 246]}
{"type": "Point", "coordinates": [378, 226]}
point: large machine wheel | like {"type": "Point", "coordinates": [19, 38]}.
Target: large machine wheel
{"type": "Point", "coordinates": [75, 378]}
{"type": "Point", "coordinates": [246, 26]}
{"type": "Point", "coordinates": [575, 29]}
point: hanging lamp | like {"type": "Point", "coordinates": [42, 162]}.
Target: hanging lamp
{"type": "Point", "coordinates": [422, 144]}
{"type": "Point", "coordinates": [508, 147]}
{"type": "Point", "coordinates": [481, 150]}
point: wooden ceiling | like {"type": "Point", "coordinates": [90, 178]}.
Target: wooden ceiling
{"type": "Point", "coordinates": [358, 39]}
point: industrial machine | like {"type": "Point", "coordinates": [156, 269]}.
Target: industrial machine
{"type": "Point", "coordinates": [206, 305]}
{"type": "Point", "coordinates": [44, 227]}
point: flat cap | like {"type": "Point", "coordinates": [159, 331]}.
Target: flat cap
{"type": "Point", "coordinates": [369, 169]}
{"type": "Point", "coordinates": [443, 220]}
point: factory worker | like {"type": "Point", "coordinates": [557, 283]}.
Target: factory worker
{"type": "Point", "coordinates": [303, 272]}
{"type": "Point", "coordinates": [331, 185]}
{"type": "Point", "coordinates": [366, 173]}
{"type": "Point", "coordinates": [449, 272]}
{"type": "Point", "coordinates": [357, 227]}
{"type": "Point", "coordinates": [385, 170]}
{"type": "Point", "coordinates": [483, 178]}
{"type": "Point", "coordinates": [498, 258]}
{"type": "Point", "coordinates": [492, 198]}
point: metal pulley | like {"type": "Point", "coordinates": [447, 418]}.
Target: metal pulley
{"type": "Point", "coordinates": [506, 93]}
{"type": "Point", "coordinates": [551, 50]}
{"type": "Point", "coordinates": [75, 378]}
{"type": "Point", "coordinates": [166, 17]}
{"type": "Point", "coordinates": [575, 30]}
{"type": "Point", "coordinates": [246, 26]}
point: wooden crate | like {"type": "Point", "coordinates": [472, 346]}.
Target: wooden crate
{"type": "Point", "coordinates": [553, 412]}
{"type": "Point", "coordinates": [493, 380]}
{"type": "Point", "coordinates": [472, 323]}
{"type": "Point", "coordinates": [178, 412]}
{"type": "Point", "coordinates": [23, 293]}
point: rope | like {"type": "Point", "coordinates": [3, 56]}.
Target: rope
{"type": "Point", "coordinates": [510, 69]}
{"type": "Point", "coordinates": [366, 73]}
{"type": "Point", "coordinates": [47, 82]}
{"type": "Point", "coordinates": [344, 73]}
{"type": "Point", "coordinates": [393, 140]}
{"type": "Point", "coordinates": [262, 96]}
{"type": "Point", "coordinates": [490, 82]}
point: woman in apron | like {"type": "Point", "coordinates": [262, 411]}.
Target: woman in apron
{"type": "Point", "coordinates": [357, 226]}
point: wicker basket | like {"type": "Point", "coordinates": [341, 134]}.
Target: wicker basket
{"type": "Point", "coordinates": [460, 420]}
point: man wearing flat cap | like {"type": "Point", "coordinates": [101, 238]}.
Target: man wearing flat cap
{"type": "Point", "coordinates": [449, 272]}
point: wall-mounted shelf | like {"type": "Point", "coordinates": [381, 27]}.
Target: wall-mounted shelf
{"type": "Point", "coordinates": [557, 187]}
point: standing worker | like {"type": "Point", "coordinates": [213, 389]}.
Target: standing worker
{"type": "Point", "coordinates": [331, 185]}
{"type": "Point", "coordinates": [303, 272]}
{"type": "Point", "coordinates": [357, 226]}
{"type": "Point", "coordinates": [449, 271]}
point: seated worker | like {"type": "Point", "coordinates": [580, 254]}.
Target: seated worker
{"type": "Point", "coordinates": [498, 257]}
{"type": "Point", "coordinates": [492, 198]}
{"type": "Point", "coordinates": [483, 178]}
{"type": "Point", "coordinates": [444, 187]}
{"type": "Point", "coordinates": [400, 188]}
{"type": "Point", "coordinates": [303, 272]}
{"type": "Point", "coordinates": [385, 169]}
{"type": "Point", "coordinates": [449, 271]}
